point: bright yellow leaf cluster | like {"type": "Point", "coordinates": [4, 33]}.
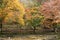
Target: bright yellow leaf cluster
{"type": "Point", "coordinates": [14, 7]}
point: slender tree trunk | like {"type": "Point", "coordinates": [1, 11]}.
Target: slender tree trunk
{"type": "Point", "coordinates": [55, 30]}
{"type": "Point", "coordinates": [34, 29]}
{"type": "Point", "coordinates": [1, 27]}
{"type": "Point", "coordinates": [55, 27]}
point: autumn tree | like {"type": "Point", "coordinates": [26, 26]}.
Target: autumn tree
{"type": "Point", "coordinates": [51, 11]}
{"type": "Point", "coordinates": [15, 9]}
{"type": "Point", "coordinates": [33, 18]}
{"type": "Point", "coordinates": [8, 8]}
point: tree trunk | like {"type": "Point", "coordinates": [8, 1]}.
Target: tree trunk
{"type": "Point", "coordinates": [55, 30]}
{"type": "Point", "coordinates": [55, 27]}
{"type": "Point", "coordinates": [34, 29]}
{"type": "Point", "coordinates": [1, 27]}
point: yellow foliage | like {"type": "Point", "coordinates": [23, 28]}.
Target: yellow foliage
{"type": "Point", "coordinates": [32, 13]}
{"type": "Point", "coordinates": [12, 7]}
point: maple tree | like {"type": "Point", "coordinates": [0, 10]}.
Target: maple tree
{"type": "Point", "coordinates": [33, 17]}
{"type": "Point", "coordinates": [9, 9]}
{"type": "Point", "coordinates": [51, 12]}
{"type": "Point", "coordinates": [14, 9]}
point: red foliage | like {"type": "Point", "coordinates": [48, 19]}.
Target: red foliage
{"type": "Point", "coordinates": [51, 9]}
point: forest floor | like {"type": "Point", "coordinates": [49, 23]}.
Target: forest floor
{"type": "Point", "coordinates": [48, 36]}
{"type": "Point", "coordinates": [32, 37]}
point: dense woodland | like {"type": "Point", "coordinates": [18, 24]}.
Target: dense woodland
{"type": "Point", "coordinates": [30, 15]}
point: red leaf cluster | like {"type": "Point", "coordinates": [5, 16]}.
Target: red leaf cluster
{"type": "Point", "coordinates": [51, 10]}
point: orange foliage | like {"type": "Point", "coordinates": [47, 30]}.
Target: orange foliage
{"type": "Point", "coordinates": [32, 13]}
{"type": "Point", "coordinates": [14, 9]}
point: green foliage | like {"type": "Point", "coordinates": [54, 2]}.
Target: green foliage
{"type": "Point", "coordinates": [1, 1]}
{"type": "Point", "coordinates": [2, 4]}
{"type": "Point", "coordinates": [34, 22]}
{"type": "Point", "coordinates": [58, 25]}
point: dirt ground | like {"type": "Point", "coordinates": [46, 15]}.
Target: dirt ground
{"type": "Point", "coordinates": [31, 37]}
